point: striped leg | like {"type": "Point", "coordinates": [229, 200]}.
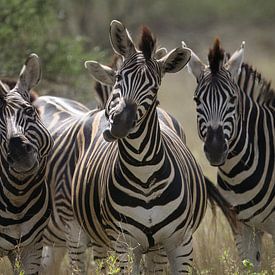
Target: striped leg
{"type": "Point", "coordinates": [249, 244]}
{"type": "Point", "coordinates": [77, 243]}
{"type": "Point", "coordinates": [156, 262]}
{"type": "Point", "coordinates": [52, 258]}
{"type": "Point", "coordinates": [27, 259]}
{"type": "Point", "coordinates": [181, 257]}
{"type": "Point", "coordinates": [273, 255]}
{"type": "Point", "coordinates": [129, 258]}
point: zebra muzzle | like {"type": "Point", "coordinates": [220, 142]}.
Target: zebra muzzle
{"type": "Point", "coordinates": [108, 135]}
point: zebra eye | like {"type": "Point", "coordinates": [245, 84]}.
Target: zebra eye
{"type": "Point", "coordinates": [232, 100]}
{"type": "Point", "coordinates": [2, 102]}
{"type": "Point", "coordinates": [118, 77]}
{"type": "Point", "coordinates": [196, 99]}
{"type": "Point", "coordinates": [29, 111]}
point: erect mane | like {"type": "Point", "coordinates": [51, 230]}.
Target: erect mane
{"type": "Point", "coordinates": [147, 43]}
{"type": "Point", "coordinates": [216, 57]}
{"type": "Point", "coordinates": [255, 86]}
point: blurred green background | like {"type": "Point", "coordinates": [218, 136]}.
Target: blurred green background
{"type": "Point", "coordinates": [65, 33]}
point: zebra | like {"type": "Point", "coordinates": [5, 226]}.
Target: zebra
{"type": "Point", "coordinates": [62, 117]}
{"type": "Point", "coordinates": [236, 118]}
{"type": "Point", "coordinates": [136, 184]}
{"type": "Point", "coordinates": [25, 203]}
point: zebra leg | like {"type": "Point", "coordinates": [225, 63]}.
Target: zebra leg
{"type": "Point", "coordinates": [52, 258]}
{"type": "Point", "coordinates": [77, 243]}
{"type": "Point", "coordinates": [156, 262]}
{"type": "Point", "coordinates": [180, 256]}
{"type": "Point", "coordinates": [128, 256]}
{"type": "Point", "coordinates": [27, 260]}
{"type": "Point", "coordinates": [249, 243]}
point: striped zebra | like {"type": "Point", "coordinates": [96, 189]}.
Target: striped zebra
{"type": "Point", "coordinates": [62, 118]}
{"type": "Point", "coordinates": [24, 193]}
{"type": "Point", "coordinates": [236, 119]}
{"type": "Point", "coordinates": [135, 184]}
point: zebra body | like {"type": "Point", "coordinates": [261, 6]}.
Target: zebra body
{"type": "Point", "coordinates": [64, 119]}
{"type": "Point", "coordinates": [236, 119]}
{"type": "Point", "coordinates": [137, 186]}
{"type": "Point", "coordinates": [24, 195]}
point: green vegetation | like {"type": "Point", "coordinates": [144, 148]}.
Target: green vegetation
{"type": "Point", "coordinates": [36, 26]}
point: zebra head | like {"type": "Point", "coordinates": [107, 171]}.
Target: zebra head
{"type": "Point", "coordinates": [218, 100]}
{"type": "Point", "coordinates": [24, 140]}
{"type": "Point", "coordinates": [136, 82]}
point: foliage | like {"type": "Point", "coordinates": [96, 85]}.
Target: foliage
{"type": "Point", "coordinates": [36, 26]}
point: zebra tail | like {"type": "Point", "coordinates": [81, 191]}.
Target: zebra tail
{"type": "Point", "coordinates": [216, 198]}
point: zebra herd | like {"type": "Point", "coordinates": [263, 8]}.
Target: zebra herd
{"type": "Point", "coordinates": [121, 178]}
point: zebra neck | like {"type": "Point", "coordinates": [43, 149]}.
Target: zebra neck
{"type": "Point", "coordinates": [143, 151]}
{"type": "Point", "coordinates": [241, 148]}
{"type": "Point", "coordinates": [19, 191]}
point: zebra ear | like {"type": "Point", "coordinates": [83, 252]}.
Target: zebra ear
{"type": "Point", "coordinates": [161, 52]}
{"type": "Point", "coordinates": [234, 64]}
{"type": "Point", "coordinates": [30, 74]}
{"type": "Point", "coordinates": [175, 60]}
{"type": "Point", "coordinates": [121, 40]}
{"type": "Point", "coordinates": [3, 89]}
{"type": "Point", "coordinates": [101, 73]}
{"type": "Point", "coordinates": [195, 66]}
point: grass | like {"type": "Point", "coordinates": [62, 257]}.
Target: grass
{"type": "Point", "coordinates": [214, 254]}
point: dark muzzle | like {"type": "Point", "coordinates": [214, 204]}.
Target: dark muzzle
{"type": "Point", "coordinates": [22, 156]}
{"type": "Point", "coordinates": [215, 146]}
{"type": "Point", "coordinates": [122, 121]}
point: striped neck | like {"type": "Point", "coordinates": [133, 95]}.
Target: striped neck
{"type": "Point", "coordinates": [144, 144]}
{"type": "Point", "coordinates": [20, 191]}
{"type": "Point", "coordinates": [143, 148]}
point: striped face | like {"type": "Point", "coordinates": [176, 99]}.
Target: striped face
{"type": "Point", "coordinates": [136, 82]}
{"type": "Point", "coordinates": [218, 100]}
{"type": "Point", "coordinates": [134, 92]}
{"type": "Point", "coordinates": [216, 97]}
{"type": "Point", "coordinates": [24, 139]}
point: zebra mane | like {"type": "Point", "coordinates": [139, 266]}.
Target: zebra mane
{"type": "Point", "coordinates": [216, 57]}
{"type": "Point", "coordinates": [255, 86]}
{"type": "Point", "coordinates": [147, 43]}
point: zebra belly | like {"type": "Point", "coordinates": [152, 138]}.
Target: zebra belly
{"type": "Point", "coordinates": [147, 228]}
{"type": "Point", "coordinates": [260, 215]}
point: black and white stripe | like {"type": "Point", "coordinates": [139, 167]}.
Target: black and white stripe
{"type": "Point", "coordinates": [24, 194]}
{"type": "Point", "coordinates": [236, 118]}
{"type": "Point", "coordinates": [137, 185]}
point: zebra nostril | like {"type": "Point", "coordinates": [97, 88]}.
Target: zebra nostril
{"type": "Point", "coordinates": [225, 147]}
{"type": "Point", "coordinates": [9, 159]}
{"type": "Point", "coordinates": [28, 148]}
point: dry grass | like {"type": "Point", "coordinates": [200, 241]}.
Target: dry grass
{"type": "Point", "coordinates": [214, 252]}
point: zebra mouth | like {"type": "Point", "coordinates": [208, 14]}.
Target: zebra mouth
{"type": "Point", "coordinates": [22, 171]}
{"type": "Point", "coordinates": [108, 136]}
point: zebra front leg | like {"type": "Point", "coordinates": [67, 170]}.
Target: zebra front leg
{"type": "Point", "coordinates": [27, 259]}
{"type": "Point", "coordinates": [128, 256]}
{"type": "Point", "coordinates": [77, 243]}
{"type": "Point", "coordinates": [52, 258]}
{"type": "Point", "coordinates": [180, 256]}
{"type": "Point", "coordinates": [249, 243]}
{"type": "Point", "coordinates": [156, 262]}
